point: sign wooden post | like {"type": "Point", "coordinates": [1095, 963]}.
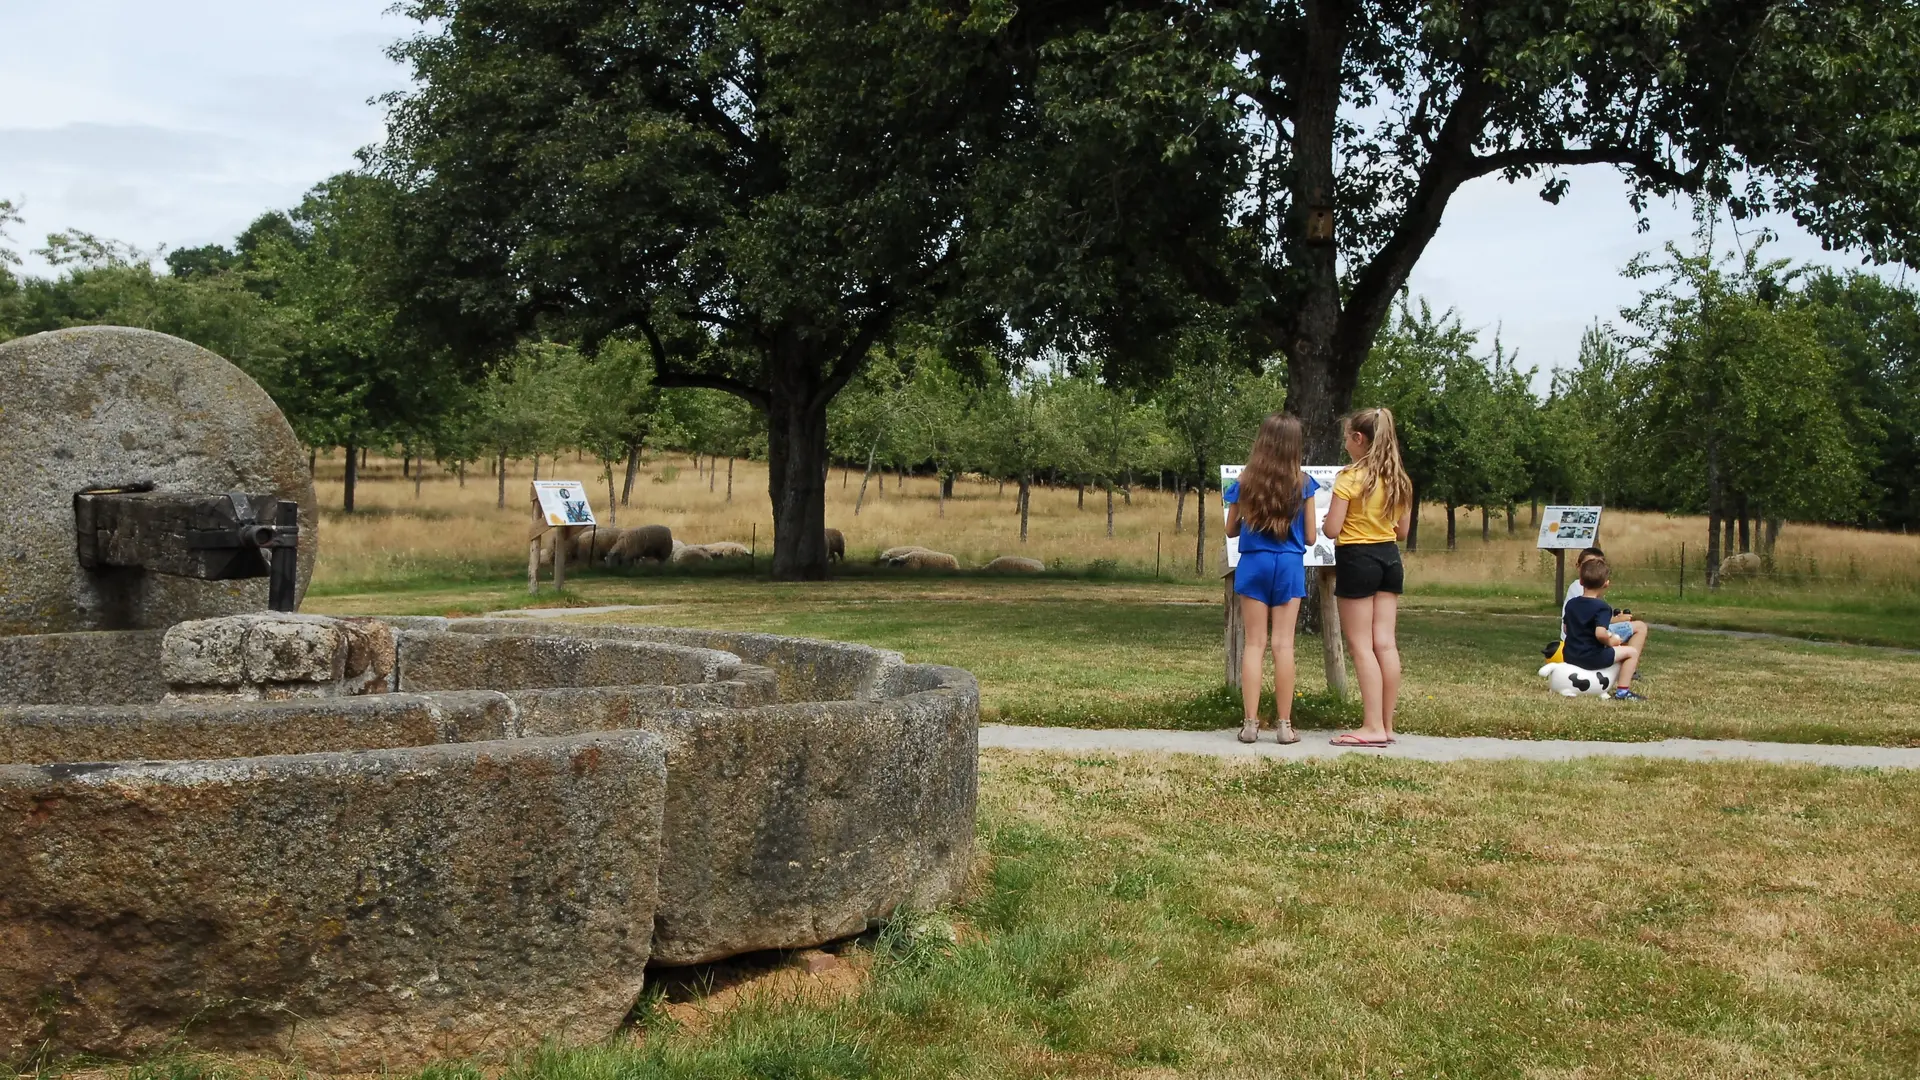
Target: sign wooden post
{"type": "Point", "coordinates": [559, 507]}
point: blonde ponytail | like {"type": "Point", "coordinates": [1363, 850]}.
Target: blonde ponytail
{"type": "Point", "coordinates": [1382, 465]}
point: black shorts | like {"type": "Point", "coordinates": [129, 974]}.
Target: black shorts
{"type": "Point", "coordinates": [1360, 570]}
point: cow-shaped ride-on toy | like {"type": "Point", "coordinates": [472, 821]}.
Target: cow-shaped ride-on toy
{"type": "Point", "coordinates": [1569, 681]}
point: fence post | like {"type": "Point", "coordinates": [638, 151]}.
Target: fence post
{"type": "Point", "coordinates": [1683, 569]}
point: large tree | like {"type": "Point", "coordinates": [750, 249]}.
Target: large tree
{"type": "Point", "coordinates": [1361, 119]}
{"type": "Point", "coordinates": [759, 192]}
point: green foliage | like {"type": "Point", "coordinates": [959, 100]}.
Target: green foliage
{"type": "Point", "coordinates": [1742, 395]}
{"type": "Point", "coordinates": [1468, 423]}
{"type": "Point", "coordinates": [353, 379]}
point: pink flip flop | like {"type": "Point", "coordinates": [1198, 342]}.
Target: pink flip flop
{"type": "Point", "coordinates": [1350, 739]}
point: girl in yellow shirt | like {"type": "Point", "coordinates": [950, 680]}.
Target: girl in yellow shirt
{"type": "Point", "coordinates": [1372, 504]}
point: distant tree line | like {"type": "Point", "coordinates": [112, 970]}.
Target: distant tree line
{"type": "Point", "coordinates": [776, 202]}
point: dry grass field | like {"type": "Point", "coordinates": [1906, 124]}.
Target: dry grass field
{"type": "Point", "coordinates": [449, 528]}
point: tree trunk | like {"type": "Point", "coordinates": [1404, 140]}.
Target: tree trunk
{"type": "Point", "coordinates": [1510, 516]}
{"type": "Point", "coordinates": [730, 479]}
{"type": "Point", "coordinates": [1713, 513]}
{"type": "Point", "coordinates": [946, 483]}
{"type": "Point", "coordinates": [613, 508]}
{"type": "Point", "coordinates": [861, 499]}
{"type": "Point", "coordinates": [353, 478]}
{"type": "Point", "coordinates": [1127, 491]}
{"type": "Point", "coordinates": [1109, 511]}
{"type": "Point", "coordinates": [1746, 534]}
{"type": "Point", "coordinates": [1413, 522]}
{"type": "Point", "coordinates": [536, 468]}
{"type": "Point", "coordinates": [313, 459]}
{"type": "Point", "coordinates": [460, 470]}
{"type": "Point", "coordinates": [501, 502]}
{"type": "Point", "coordinates": [406, 463]}
{"type": "Point", "coordinates": [363, 457]}
{"type": "Point", "coordinates": [1453, 542]}
{"type": "Point", "coordinates": [1081, 502]}
{"type": "Point", "coordinates": [633, 472]}
{"type": "Point", "coordinates": [1200, 523]}
{"type": "Point", "coordinates": [713, 475]}
{"type": "Point", "coordinates": [417, 470]}
{"type": "Point", "coordinates": [1179, 502]}
{"type": "Point", "coordinates": [797, 473]}
{"type": "Point", "coordinates": [1771, 537]}
{"type": "Point", "coordinates": [1486, 531]}
{"type": "Point", "coordinates": [1024, 498]}
{"type": "Point", "coordinates": [1534, 520]}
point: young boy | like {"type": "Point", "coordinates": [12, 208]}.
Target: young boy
{"type": "Point", "coordinates": [1623, 624]}
{"type": "Point", "coordinates": [1592, 643]}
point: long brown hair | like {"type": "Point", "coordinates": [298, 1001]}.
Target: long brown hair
{"type": "Point", "coordinates": [1270, 485]}
{"type": "Point", "coordinates": [1381, 463]}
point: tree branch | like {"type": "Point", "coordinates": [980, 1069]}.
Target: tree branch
{"type": "Point", "coordinates": [668, 376]}
{"type": "Point", "coordinates": [1644, 162]}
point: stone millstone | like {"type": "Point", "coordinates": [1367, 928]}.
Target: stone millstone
{"type": "Point", "coordinates": [105, 406]}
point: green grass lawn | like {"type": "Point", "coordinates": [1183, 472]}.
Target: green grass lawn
{"type": "Point", "coordinates": [1129, 653]}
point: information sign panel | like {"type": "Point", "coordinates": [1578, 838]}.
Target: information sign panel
{"type": "Point", "coordinates": [563, 502]}
{"type": "Point", "coordinates": [1321, 552]}
{"type": "Point", "coordinates": [1569, 527]}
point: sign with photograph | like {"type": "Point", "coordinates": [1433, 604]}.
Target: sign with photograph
{"type": "Point", "coordinates": [1569, 526]}
{"type": "Point", "coordinates": [1321, 552]}
{"type": "Point", "coordinates": [563, 502]}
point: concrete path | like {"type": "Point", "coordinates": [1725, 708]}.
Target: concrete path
{"type": "Point", "coordinates": [566, 612]}
{"type": "Point", "coordinates": [1314, 744]}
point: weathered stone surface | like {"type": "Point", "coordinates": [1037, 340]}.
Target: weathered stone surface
{"type": "Point", "coordinates": [362, 911]}
{"type": "Point", "coordinates": [274, 656]}
{"type": "Point", "coordinates": [104, 406]}
{"type": "Point", "coordinates": [93, 668]}
{"type": "Point", "coordinates": [295, 649]}
{"type": "Point", "coordinates": [517, 660]}
{"type": "Point", "coordinates": [806, 669]}
{"type": "Point", "coordinates": [372, 655]}
{"type": "Point", "coordinates": [835, 814]}
{"type": "Point", "coordinates": [229, 728]}
{"type": "Point", "coordinates": [809, 787]}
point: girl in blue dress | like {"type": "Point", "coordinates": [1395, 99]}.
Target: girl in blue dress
{"type": "Point", "coordinates": [1267, 508]}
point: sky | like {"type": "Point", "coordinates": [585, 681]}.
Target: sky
{"type": "Point", "coordinates": [176, 124]}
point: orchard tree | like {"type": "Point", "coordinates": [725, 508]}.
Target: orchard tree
{"type": "Point", "coordinates": [353, 377]}
{"type": "Point", "coordinates": [1363, 118]}
{"type": "Point", "coordinates": [1742, 392]}
{"type": "Point", "coordinates": [760, 193]}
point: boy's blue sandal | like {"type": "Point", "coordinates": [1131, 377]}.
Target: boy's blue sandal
{"type": "Point", "coordinates": [1625, 694]}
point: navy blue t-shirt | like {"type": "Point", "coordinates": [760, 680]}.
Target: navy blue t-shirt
{"type": "Point", "coordinates": [1584, 615]}
{"type": "Point", "coordinates": [1295, 542]}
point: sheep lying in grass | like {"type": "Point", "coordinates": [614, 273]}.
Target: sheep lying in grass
{"type": "Point", "coordinates": [919, 558]}
{"type": "Point", "coordinates": [1015, 564]}
{"type": "Point", "coordinates": [690, 554]}
{"type": "Point", "coordinates": [1745, 564]}
{"type": "Point", "coordinates": [648, 542]}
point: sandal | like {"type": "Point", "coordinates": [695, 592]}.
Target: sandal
{"type": "Point", "coordinates": [1249, 729]}
{"type": "Point", "coordinates": [1284, 734]}
{"type": "Point", "coordinates": [1354, 739]}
